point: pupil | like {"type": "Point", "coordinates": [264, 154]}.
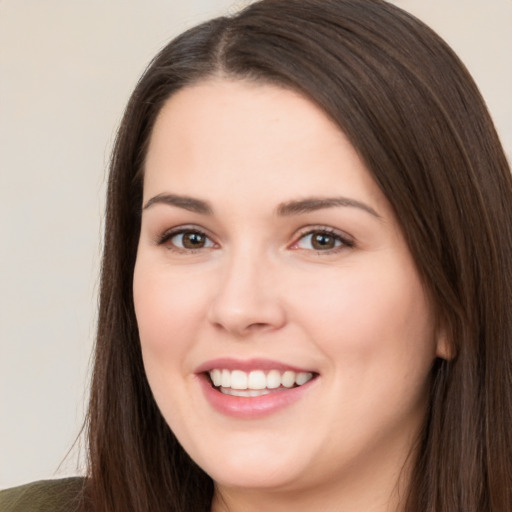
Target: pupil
{"type": "Point", "coordinates": [322, 241]}
{"type": "Point", "coordinates": [193, 240]}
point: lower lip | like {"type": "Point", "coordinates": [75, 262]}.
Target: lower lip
{"type": "Point", "coordinates": [252, 407]}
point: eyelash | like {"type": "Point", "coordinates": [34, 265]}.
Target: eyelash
{"type": "Point", "coordinates": [342, 240]}
{"type": "Point", "coordinates": [170, 234]}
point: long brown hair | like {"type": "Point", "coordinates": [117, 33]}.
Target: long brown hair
{"type": "Point", "coordinates": [412, 111]}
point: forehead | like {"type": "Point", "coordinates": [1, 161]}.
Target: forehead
{"type": "Point", "coordinates": [242, 137]}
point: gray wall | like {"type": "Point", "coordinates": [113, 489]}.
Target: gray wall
{"type": "Point", "coordinates": [66, 70]}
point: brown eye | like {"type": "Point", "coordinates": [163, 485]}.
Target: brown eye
{"type": "Point", "coordinates": [187, 240]}
{"type": "Point", "coordinates": [322, 241]}
{"type": "Point", "coordinates": [193, 240]}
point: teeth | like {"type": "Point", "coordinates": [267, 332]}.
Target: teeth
{"type": "Point", "coordinates": [273, 379]}
{"type": "Point", "coordinates": [302, 378]}
{"type": "Point", "coordinates": [216, 376]}
{"type": "Point", "coordinates": [256, 382]}
{"type": "Point", "coordinates": [245, 392]}
{"type": "Point", "coordinates": [225, 380]}
{"type": "Point", "coordinates": [288, 379]}
{"type": "Point", "coordinates": [238, 379]}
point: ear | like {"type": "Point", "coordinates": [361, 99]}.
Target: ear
{"type": "Point", "coordinates": [444, 345]}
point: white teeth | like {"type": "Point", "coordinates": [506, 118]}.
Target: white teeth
{"type": "Point", "coordinates": [225, 381]}
{"type": "Point", "coordinates": [273, 379]}
{"type": "Point", "coordinates": [302, 378]}
{"type": "Point", "coordinates": [288, 379]}
{"type": "Point", "coordinates": [245, 392]}
{"type": "Point", "coordinates": [256, 382]}
{"type": "Point", "coordinates": [216, 376]}
{"type": "Point", "coordinates": [238, 380]}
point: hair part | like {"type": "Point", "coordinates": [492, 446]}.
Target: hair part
{"type": "Point", "coordinates": [412, 111]}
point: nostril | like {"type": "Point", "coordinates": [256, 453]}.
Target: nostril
{"type": "Point", "coordinates": [244, 306]}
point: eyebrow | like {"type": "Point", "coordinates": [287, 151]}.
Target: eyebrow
{"type": "Point", "coordinates": [312, 204]}
{"type": "Point", "coordinates": [187, 203]}
{"type": "Point", "coordinates": [295, 207]}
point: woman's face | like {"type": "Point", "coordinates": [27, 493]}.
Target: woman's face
{"type": "Point", "coordinates": [270, 260]}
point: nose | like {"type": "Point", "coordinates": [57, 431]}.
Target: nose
{"type": "Point", "coordinates": [247, 299]}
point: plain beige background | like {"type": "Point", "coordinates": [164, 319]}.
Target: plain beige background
{"type": "Point", "coordinates": [66, 70]}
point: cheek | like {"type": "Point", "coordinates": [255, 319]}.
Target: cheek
{"type": "Point", "coordinates": [166, 303]}
{"type": "Point", "coordinates": [168, 308]}
{"type": "Point", "coordinates": [375, 329]}
{"type": "Point", "coordinates": [372, 320]}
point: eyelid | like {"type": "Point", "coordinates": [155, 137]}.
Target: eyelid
{"type": "Point", "coordinates": [346, 240]}
{"type": "Point", "coordinates": [168, 234]}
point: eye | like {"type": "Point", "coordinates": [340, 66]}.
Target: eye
{"type": "Point", "coordinates": [322, 240]}
{"type": "Point", "coordinates": [184, 239]}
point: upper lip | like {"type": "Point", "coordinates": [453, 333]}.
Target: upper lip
{"type": "Point", "coordinates": [248, 365]}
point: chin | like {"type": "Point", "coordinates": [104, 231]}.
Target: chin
{"type": "Point", "coordinates": [259, 468]}
{"type": "Point", "coordinates": [255, 478]}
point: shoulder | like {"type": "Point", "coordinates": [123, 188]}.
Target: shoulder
{"type": "Point", "coordinates": [62, 495]}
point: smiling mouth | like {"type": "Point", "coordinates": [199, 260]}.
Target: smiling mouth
{"type": "Point", "coordinates": [256, 382]}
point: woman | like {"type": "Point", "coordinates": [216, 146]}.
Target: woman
{"type": "Point", "coordinates": [306, 296]}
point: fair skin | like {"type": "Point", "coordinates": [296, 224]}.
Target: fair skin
{"type": "Point", "coordinates": [238, 269]}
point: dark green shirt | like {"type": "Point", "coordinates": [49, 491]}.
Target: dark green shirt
{"type": "Point", "coordinates": [45, 496]}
